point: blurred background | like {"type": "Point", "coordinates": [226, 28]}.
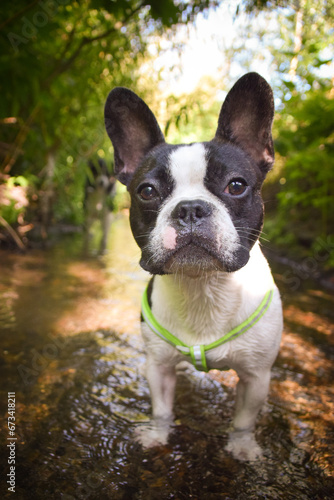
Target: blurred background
{"type": "Point", "coordinates": [60, 59]}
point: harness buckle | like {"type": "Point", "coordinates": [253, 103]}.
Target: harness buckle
{"type": "Point", "coordinates": [197, 354]}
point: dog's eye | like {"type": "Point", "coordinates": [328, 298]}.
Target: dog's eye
{"type": "Point", "coordinates": [236, 187]}
{"type": "Point", "coordinates": [148, 193]}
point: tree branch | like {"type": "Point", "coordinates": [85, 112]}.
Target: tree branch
{"type": "Point", "coordinates": [298, 39]}
{"type": "Point", "coordinates": [16, 147]}
{"type": "Point", "coordinates": [68, 44]}
{"type": "Point", "coordinates": [13, 233]}
{"type": "Point", "coordinates": [19, 14]}
{"type": "Point", "coordinates": [63, 66]}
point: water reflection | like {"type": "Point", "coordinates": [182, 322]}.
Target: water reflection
{"type": "Point", "coordinates": [71, 349]}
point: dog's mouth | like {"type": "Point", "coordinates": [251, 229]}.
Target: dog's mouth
{"type": "Point", "coordinates": [194, 255]}
{"type": "Point", "coordinates": [193, 259]}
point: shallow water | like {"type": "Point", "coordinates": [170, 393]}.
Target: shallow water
{"type": "Point", "coordinates": [72, 353]}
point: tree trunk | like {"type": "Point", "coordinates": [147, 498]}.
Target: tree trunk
{"type": "Point", "coordinates": [298, 38]}
{"type": "Point", "coordinates": [47, 193]}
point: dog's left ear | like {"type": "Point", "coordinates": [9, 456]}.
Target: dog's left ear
{"type": "Point", "coordinates": [246, 119]}
{"type": "Point", "coordinates": [133, 130]}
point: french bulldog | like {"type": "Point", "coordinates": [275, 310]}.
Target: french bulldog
{"type": "Point", "coordinates": [197, 214]}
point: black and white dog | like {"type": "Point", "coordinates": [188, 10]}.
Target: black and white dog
{"type": "Point", "coordinates": [98, 202]}
{"type": "Point", "coordinates": [196, 213]}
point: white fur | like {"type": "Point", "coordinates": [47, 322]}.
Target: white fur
{"type": "Point", "coordinates": [187, 166]}
{"type": "Point", "coordinates": [202, 310]}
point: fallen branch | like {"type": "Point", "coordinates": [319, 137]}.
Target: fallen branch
{"type": "Point", "coordinates": [13, 234]}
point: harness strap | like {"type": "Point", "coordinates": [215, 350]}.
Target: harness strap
{"type": "Point", "coordinates": [197, 352]}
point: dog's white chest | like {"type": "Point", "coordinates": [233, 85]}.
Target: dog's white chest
{"type": "Point", "coordinates": [202, 311]}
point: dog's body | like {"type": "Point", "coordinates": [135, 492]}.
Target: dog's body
{"type": "Point", "coordinates": [196, 213]}
{"type": "Point", "coordinates": [98, 202]}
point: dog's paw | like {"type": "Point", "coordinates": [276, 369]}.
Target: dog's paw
{"type": "Point", "coordinates": [243, 446]}
{"type": "Point", "coordinates": [152, 434]}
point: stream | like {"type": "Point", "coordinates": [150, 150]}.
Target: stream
{"type": "Point", "coordinates": [72, 354]}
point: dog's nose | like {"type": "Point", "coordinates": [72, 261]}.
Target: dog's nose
{"type": "Point", "coordinates": [191, 212]}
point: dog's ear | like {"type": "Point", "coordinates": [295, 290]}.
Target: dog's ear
{"type": "Point", "coordinates": [246, 119]}
{"type": "Point", "coordinates": [133, 131]}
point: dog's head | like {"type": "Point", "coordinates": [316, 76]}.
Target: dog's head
{"type": "Point", "coordinates": [195, 208]}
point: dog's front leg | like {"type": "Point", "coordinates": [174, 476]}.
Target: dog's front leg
{"type": "Point", "coordinates": [161, 379]}
{"type": "Point", "coordinates": [251, 394]}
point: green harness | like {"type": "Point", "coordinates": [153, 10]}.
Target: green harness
{"type": "Point", "coordinates": [197, 352]}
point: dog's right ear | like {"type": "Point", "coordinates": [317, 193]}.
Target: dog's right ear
{"type": "Point", "coordinates": [246, 119]}
{"type": "Point", "coordinates": [133, 131]}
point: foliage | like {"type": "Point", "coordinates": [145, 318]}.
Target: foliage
{"type": "Point", "coordinates": [305, 142]}
{"type": "Point", "coordinates": [58, 62]}
{"type": "Point", "coordinates": [309, 47]}
{"type": "Point", "coordinates": [192, 117]}
{"type": "Point", "coordinates": [304, 129]}
{"type": "Point", "coordinates": [13, 198]}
